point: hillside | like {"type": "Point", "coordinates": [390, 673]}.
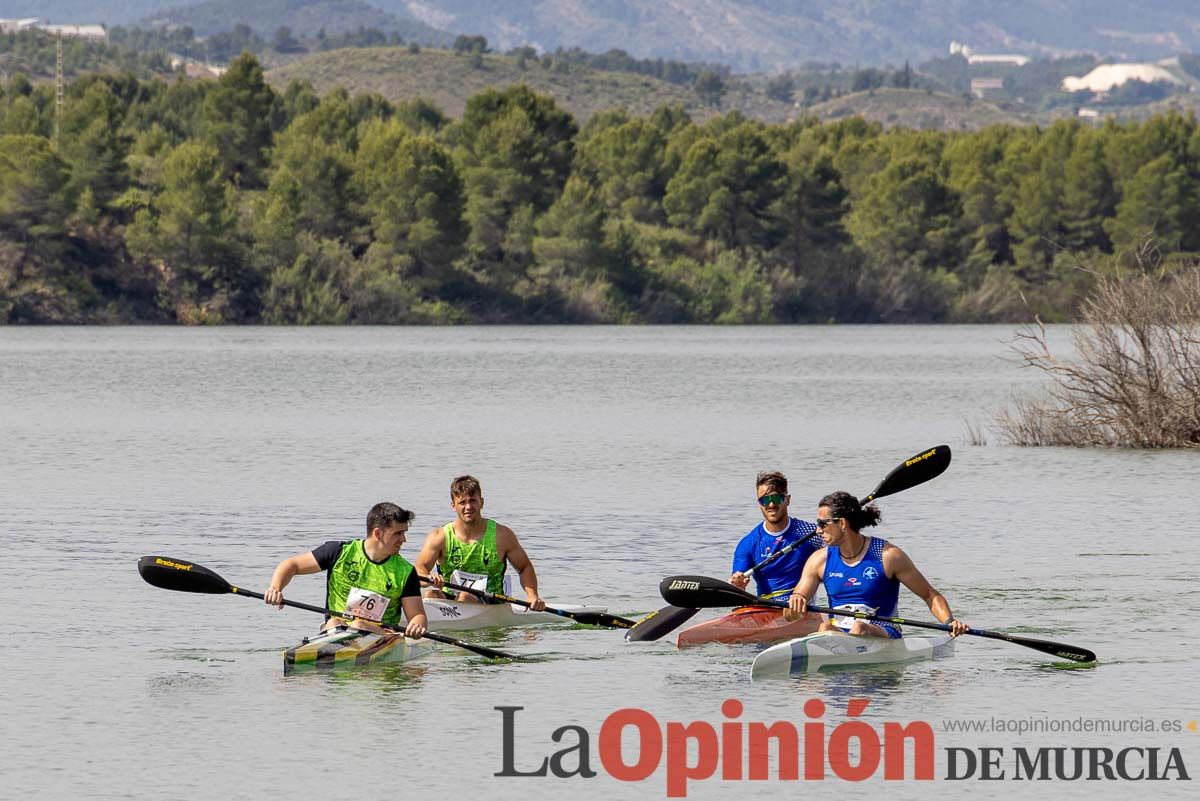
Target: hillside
{"type": "Point", "coordinates": [448, 79]}
{"type": "Point", "coordinates": [916, 108]}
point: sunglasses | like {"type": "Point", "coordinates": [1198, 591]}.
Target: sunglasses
{"type": "Point", "coordinates": [823, 522]}
{"type": "Point", "coordinates": [774, 498]}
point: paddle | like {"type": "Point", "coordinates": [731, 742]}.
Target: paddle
{"type": "Point", "coordinates": [176, 574]}
{"type": "Point", "coordinates": [587, 618]}
{"type": "Point", "coordinates": [915, 470]}
{"type": "Point", "coordinates": [709, 592]}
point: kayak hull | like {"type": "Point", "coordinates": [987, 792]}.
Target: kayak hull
{"type": "Point", "coordinates": [342, 647]}
{"type": "Point", "coordinates": [835, 649]}
{"type": "Point", "coordinates": [453, 615]}
{"type": "Point", "coordinates": [747, 624]}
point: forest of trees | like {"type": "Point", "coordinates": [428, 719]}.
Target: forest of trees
{"type": "Point", "coordinates": [228, 201]}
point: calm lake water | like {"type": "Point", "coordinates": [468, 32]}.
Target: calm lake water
{"type": "Point", "coordinates": [619, 455]}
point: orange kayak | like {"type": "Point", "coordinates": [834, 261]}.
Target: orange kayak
{"type": "Point", "coordinates": [748, 624]}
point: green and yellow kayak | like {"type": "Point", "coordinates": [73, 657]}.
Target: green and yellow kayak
{"type": "Point", "coordinates": [345, 647]}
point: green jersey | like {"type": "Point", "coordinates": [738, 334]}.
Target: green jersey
{"type": "Point", "coordinates": [473, 559]}
{"type": "Point", "coordinates": [352, 576]}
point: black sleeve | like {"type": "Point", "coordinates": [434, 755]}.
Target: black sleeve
{"type": "Point", "coordinates": [327, 554]}
{"type": "Point", "coordinates": [412, 587]}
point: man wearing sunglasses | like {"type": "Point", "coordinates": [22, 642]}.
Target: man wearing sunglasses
{"type": "Point", "coordinates": [775, 533]}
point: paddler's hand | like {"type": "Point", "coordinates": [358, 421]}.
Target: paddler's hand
{"type": "Point", "coordinates": [274, 597]}
{"type": "Point", "coordinates": [957, 627]}
{"type": "Point", "coordinates": [436, 580]}
{"type": "Point", "coordinates": [796, 608]}
{"type": "Point", "coordinates": [416, 628]}
{"type": "Point", "coordinates": [536, 604]}
{"type": "Point", "coordinates": [739, 580]}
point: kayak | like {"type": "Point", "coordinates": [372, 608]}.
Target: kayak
{"type": "Point", "coordinates": [450, 615]}
{"type": "Point", "coordinates": [747, 624]}
{"type": "Point", "coordinates": [345, 647]}
{"type": "Point", "coordinates": [835, 649]}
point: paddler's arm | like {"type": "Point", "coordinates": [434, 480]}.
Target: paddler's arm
{"type": "Point", "coordinates": [897, 564]}
{"type": "Point", "coordinates": [429, 557]}
{"type": "Point", "coordinates": [298, 565]}
{"type": "Point", "coordinates": [414, 608]}
{"type": "Point", "coordinates": [743, 560]}
{"type": "Point", "coordinates": [806, 588]}
{"type": "Point", "coordinates": [510, 549]}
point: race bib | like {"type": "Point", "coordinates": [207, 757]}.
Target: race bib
{"type": "Point", "coordinates": [476, 581]}
{"type": "Point", "coordinates": [366, 604]}
{"type": "Point", "coordinates": [845, 623]}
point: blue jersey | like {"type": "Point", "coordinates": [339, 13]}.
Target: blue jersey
{"type": "Point", "coordinates": [782, 575]}
{"type": "Point", "coordinates": [864, 585]}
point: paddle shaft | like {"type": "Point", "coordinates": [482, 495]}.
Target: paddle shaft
{"type": "Point", "coordinates": [1072, 652]}
{"type": "Point", "coordinates": [780, 553]}
{"type": "Point", "coordinates": [479, 649]}
{"type": "Point", "coordinates": [589, 618]}
{"type": "Point", "coordinates": [715, 593]}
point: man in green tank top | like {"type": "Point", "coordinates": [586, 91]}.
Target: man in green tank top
{"type": "Point", "coordinates": [475, 548]}
{"type": "Point", "coordinates": [367, 578]}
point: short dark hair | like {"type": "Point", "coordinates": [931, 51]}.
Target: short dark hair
{"type": "Point", "coordinates": [847, 507]}
{"type": "Point", "coordinates": [386, 514]}
{"type": "Point", "coordinates": [465, 485]}
{"type": "Point", "coordinates": [772, 480]}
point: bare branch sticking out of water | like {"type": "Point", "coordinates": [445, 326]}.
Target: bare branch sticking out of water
{"type": "Point", "coordinates": [1136, 380]}
{"type": "Point", "coordinates": [976, 433]}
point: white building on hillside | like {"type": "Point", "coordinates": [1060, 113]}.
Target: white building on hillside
{"type": "Point", "coordinates": [76, 31]}
{"type": "Point", "coordinates": [1003, 59]}
{"type": "Point", "coordinates": [67, 31]}
{"type": "Point", "coordinates": [15, 25]}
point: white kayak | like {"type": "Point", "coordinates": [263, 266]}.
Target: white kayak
{"type": "Point", "coordinates": [452, 615]}
{"type": "Point", "coordinates": [835, 649]}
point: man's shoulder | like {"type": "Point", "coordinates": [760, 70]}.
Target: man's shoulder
{"type": "Point", "coordinates": [328, 552]}
{"type": "Point", "coordinates": [504, 532]}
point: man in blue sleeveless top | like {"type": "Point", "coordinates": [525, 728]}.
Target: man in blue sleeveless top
{"type": "Point", "coordinates": [776, 532]}
{"type": "Point", "coordinates": [862, 573]}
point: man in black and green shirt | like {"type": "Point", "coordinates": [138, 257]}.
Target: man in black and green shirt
{"type": "Point", "coordinates": [366, 578]}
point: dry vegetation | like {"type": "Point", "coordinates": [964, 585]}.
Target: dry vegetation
{"type": "Point", "coordinates": [449, 79]}
{"type": "Point", "coordinates": [1136, 380]}
{"type": "Point", "coordinates": [917, 108]}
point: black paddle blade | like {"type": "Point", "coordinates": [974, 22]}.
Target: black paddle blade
{"type": "Point", "coordinates": [657, 624]}
{"type": "Point", "coordinates": [917, 469]}
{"type": "Point", "coordinates": [703, 592]}
{"type": "Point", "coordinates": [602, 619]}
{"type": "Point", "coordinates": [176, 574]}
{"type": "Point", "coordinates": [1071, 652]}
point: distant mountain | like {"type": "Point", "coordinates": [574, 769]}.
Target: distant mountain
{"type": "Point", "coordinates": [764, 34]}
{"type": "Point", "coordinates": [216, 16]}
{"type": "Point", "coordinates": [112, 12]}
{"type": "Point", "coordinates": [749, 35]}
{"type": "Point", "coordinates": [304, 17]}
